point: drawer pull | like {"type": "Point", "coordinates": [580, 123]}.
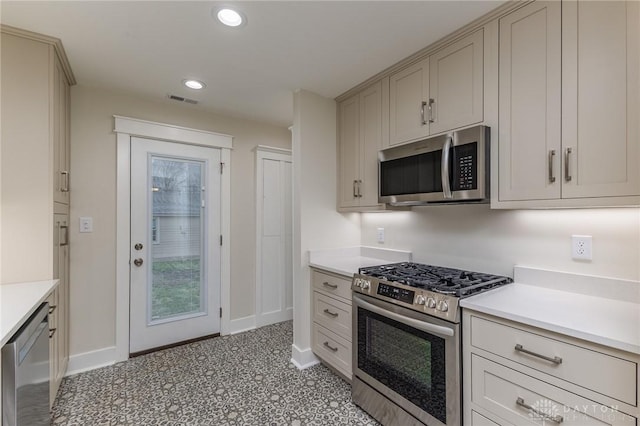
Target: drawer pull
{"type": "Point", "coordinates": [556, 419]}
{"type": "Point", "coordinates": [333, 286]}
{"type": "Point", "coordinates": [556, 359]}
{"type": "Point", "coordinates": [328, 346]}
{"type": "Point", "coordinates": [328, 312]}
{"type": "Point", "coordinates": [52, 331]}
{"type": "Point", "coordinates": [52, 309]}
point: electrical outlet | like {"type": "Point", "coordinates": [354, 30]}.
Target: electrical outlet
{"type": "Point", "coordinates": [380, 235]}
{"type": "Point", "coordinates": [86, 224]}
{"type": "Point", "coordinates": [581, 247]}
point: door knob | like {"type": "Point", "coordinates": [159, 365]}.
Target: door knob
{"type": "Point", "coordinates": [138, 246]}
{"type": "Point", "coordinates": [138, 262]}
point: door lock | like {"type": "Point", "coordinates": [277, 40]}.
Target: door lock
{"type": "Point", "coordinates": [138, 246]}
{"type": "Point", "coordinates": [138, 262]}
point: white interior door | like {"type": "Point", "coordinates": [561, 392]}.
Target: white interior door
{"type": "Point", "coordinates": [175, 243]}
{"type": "Point", "coordinates": [274, 258]}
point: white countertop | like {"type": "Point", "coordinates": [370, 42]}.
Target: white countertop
{"type": "Point", "coordinates": [609, 322]}
{"type": "Point", "coordinates": [347, 261]}
{"type": "Point", "coordinates": [18, 301]}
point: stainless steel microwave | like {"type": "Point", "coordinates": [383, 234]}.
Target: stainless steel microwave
{"type": "Point", "coordinates": [453, 167]}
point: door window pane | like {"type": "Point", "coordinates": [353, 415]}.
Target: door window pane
{"type": "Point", "coordinates": [176, 286]}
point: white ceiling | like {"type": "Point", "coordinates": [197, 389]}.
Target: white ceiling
{"type": "Point", "coordinates": [326, 47]}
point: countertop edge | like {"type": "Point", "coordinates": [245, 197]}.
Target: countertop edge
{"type": "Point", "coordinates": [48, 287]}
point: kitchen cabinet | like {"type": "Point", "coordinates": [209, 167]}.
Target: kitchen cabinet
{"type": "Point", "coordinates": [442, 92]}
{"type": "Point", "coordinates": [518, 373]}
{"type": "Point", "coordinates": [35, 169]}
{"type": "Point", "coordinates": [363, 122]}
{"type": "Point", "coordinates": [331, 329]}
{"type": "Point", "coordinates": [568, 105]}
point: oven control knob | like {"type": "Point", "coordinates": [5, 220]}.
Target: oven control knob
{"type": "Point", "coordinates": [442, 306]}
{"type": "Point", "coordinates": [366, 284]}
{"type": "Point", "coordinates": [357, 282]}
{"type": "Point", "coordinates": [420, 300]}
{"type": "Point", "coordinates": [431, 302]}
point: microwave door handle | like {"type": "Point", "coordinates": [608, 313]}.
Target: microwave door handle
{"type": "Point", "coordinates": [446, 188]}
{"type": "Point", "coordinates": [437, 330]}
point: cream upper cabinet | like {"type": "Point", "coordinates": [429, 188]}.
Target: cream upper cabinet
{"type": "Point", "coordinates": [601, 93]}
{"type": "Point", "coordinates": [409, 97]}
{"type": "Point", "coordinates": [348, 151]}
{"type": "Point", "coordinates": [440, 93]}
{"type": "Point", "coordinates": [456, 84]}
{"type": "Point", "coordinates": [61, 140]}
{"type": "Point", "coordinates": [568, 105]}
{"type": "Point", "coordinates": [363, 121]}
{"type": "Point", "coordinates": [529, 103]}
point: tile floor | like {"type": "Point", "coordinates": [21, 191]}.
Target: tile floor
{"type": "Point", "coordinates": [245, 379]}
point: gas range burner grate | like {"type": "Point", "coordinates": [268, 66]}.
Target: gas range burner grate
{"type": "Point", "coordinates": [438, 279]}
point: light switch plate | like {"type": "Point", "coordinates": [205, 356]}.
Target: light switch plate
{"type": "Point", "coordinates": [380, 235]}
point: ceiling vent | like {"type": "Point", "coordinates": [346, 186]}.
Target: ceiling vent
{"type": "Point", "coordinates": [182, 99]}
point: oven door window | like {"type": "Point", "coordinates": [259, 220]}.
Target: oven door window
{"type": "Point", "coordinates": [406, 360]}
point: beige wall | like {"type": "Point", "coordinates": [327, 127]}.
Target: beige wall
{"type": "Point", "coordinates": [93, 183]}
{"type": "Point", "coordinates": [477, 238]}
{"type": "Point", "coordinates": [316, 223]}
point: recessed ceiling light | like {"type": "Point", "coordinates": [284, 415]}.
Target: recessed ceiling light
{"type": "Point", "coordinates": [194, 84]}
{"type": "Point", "coordinates": [230, 17]}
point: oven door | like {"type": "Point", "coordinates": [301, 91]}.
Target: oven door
{"type": "Point", "coordinates": [411, 358]}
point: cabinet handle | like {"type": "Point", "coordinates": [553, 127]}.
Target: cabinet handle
{"type": "Point", "coordinates": [355, 194]}
{"type": "Point", "coordinates": [66, 235]}
{"type": "Point", "coordinates": [423, 120]}
{"type": "Point", "coordinates": [432, 102]}
{"type": "Point", "coordinates": [556, 359]}
{"type": "Point", "coordinates": [552, 155]}
{"type": "Point", "coordinates": [333, 286]}
{"type": "Point", "coordinates": [328, 312]}
{"type": "Point", "coordinates": [556, 419]}
{"type": "Point", "coordinates": [567, 174]}
{"type": "Point", "coordinates": [328, 346]}
{"type": "Point", "coordinates": [52, 308]}
{"type": "Point", "coordinates": [64, 186]}
{"type": "Point", "coordinates": [359, 189]}
{"type": "Point", "coordinates": [52, 331]}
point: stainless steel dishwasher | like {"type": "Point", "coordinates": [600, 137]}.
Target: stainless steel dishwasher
{"type": "Point", "coordinates": [25, 373]}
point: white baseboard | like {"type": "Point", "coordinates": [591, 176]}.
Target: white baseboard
{"type": "Point", "coordinates": [303, 359]}
{"type": "Point", "coordinates": [242, 324]}
{"type": "Point", "coordinates": [91, 360]}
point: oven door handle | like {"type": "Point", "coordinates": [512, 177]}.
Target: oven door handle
{"type": "Point", "coordinates": [420, 325]}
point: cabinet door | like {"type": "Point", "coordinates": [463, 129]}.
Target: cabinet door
{"type": "Point", "coordinates": [600, 92]}
{"type": "Point", "coordinates": [348, 144]}
{"type": "Point", "coordinates": [371, 120]}
{"type": "Point", "coordinates": [456, 84]}
{"type": "Point", "coordinates": [408, 97]}
{"type": "Point", "coordinates": [53, 345]}
{"type": "Point", "coordinates": [529, 103]}
{"type": "Point", "coordinates": [60, 133]}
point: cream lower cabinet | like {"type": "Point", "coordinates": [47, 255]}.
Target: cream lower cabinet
{"type": "Point", "coordinates": [331, 321]}
{"type": "Point", "coordinates": [363, 123]}
{"type": "Point", "coordinates": [569, 102]}
{"type": "Point", "coordinates": [515, 374]}
{"type": "Point", "coordinates": [60, 308]}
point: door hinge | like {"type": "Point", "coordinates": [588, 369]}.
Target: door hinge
{"type": "Point", "coordinates": [220, 239]}
{"type": "Point", "coordinates": [221, 167]}
{"type": "Point", "coordinates": [220, 312]}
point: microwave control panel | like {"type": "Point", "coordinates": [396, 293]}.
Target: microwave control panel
{"type": "Point", "coordinates": [465, 167]}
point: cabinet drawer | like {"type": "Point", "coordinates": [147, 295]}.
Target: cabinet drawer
{"type": "Point", "coordinates": [331, 284]}
{"type": "Point", "coordinates": [480, 420]}
{"type": "Point", "coordinates": [521, 399]}
{"type": "Point", "coordinates": [599, 372]}
{"type": "Point", "coordinates": [332, 314]}
{"type": "Point", "coordinates": [333, 349]}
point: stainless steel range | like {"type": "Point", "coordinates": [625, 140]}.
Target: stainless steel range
{"type": "Point", "coordinates": [406, 333]}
